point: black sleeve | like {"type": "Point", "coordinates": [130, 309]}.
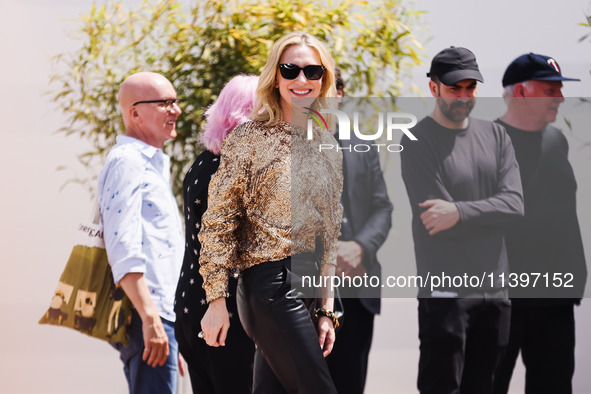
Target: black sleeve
{"type": "Point", "coordinates": [423, 180]}
{"type": "Point", "coordinates": [507, 203]}
{"type": "Point", "coordinates": [375, 229]}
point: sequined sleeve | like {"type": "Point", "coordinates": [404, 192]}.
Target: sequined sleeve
{"type": "Point", "coordinates": [219, 241]}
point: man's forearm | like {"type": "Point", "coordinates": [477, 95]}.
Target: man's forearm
{"type": "Point", "coordinates": [135, 286]}
{"type": "Point", "coordinates": [156, 349]}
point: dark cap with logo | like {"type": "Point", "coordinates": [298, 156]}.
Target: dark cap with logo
{"type": "Point", "coordinates": [532, 66]}
{"type": "Point", "coordinates": [453, 65]}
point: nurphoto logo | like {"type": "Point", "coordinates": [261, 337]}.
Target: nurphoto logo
{"type": "Point", "coordinates": [388, 122]}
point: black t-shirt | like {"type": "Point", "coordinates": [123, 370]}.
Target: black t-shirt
{"type": "Point", "coordinates": [476, 169]}
{"type": "Point", "coordinates": [548, 238]}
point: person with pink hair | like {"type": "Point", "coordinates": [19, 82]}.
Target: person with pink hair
{"type": "Point", "coordinates": [209, 366]}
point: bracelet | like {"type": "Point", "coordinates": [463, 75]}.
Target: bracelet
{"type": "Point", "coordinates": [319, 312]}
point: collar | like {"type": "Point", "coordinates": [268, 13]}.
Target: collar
{"type": "Point", "coordinates": [146, 149]}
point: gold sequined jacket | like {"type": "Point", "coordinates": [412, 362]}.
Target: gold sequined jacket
{"type": "Point", "coordinates": [274, 194]}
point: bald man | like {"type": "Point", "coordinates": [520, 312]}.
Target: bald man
{"type": "Point", "coordinates": [143, 231]}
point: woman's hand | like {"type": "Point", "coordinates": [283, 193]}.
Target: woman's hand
{"type": "Point", "coordinates": [326, 335]}
{"type": "Point", "coordinates": [215, 323]}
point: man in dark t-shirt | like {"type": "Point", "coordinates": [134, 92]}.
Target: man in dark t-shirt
{"type": "Point", "coordinates": [463, 184]}
{"type": "Point", "coordinates": [547, 240]}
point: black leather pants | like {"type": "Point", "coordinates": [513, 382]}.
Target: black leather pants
{"type": "Point", "coordinates": [288, 358]}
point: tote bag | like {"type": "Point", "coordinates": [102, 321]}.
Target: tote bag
{"type": "Point", "coordinates": [86, 298]}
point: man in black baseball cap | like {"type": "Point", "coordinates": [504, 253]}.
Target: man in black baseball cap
{"type": "Point", "coordinates": [463, 183]}
{"type": "Point", "coordinates": [454, 77]}
{"type": "Point", "coordinates": [548, 238]}
{"type": "Point", "coordinates": [452, 65]}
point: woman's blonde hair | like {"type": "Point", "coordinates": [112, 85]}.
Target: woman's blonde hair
{"type": "Point", "coordinates": [268, 107]}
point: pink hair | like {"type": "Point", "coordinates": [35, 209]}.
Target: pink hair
{"type": "Point", "coordinates": [233, 106]}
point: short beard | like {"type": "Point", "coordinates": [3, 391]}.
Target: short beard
{"type": "Point", "coordinates": [450, 110]}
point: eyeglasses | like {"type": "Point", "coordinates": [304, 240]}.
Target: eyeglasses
{"type": "Point", "coordinates": [291, 71]}
{"type": "Point", "coordinates": [168, 103]}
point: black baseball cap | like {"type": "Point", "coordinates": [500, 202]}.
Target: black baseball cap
{"type": "Point", "coordinates": [532, 66]}
{"type": "Point", "coordinates": [453, 65]}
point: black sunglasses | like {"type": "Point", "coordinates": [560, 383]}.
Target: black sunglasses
{"type": "Point", "coordinates": [291, 71]}
{"type": "Point", "coordinates": [168, 103]}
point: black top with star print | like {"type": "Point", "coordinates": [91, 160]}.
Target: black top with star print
{"type": "Point", "coordinates": [190, 304]}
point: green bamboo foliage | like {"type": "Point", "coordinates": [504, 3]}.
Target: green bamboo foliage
{"type": "Point", "coordinates": [201, 46]}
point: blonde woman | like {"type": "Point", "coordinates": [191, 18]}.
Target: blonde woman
{"type": "Point", "coordinates": [275, 198]}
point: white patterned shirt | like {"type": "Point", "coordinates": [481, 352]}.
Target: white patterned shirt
{"type": "Point", "coordinates": [142, 226]}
